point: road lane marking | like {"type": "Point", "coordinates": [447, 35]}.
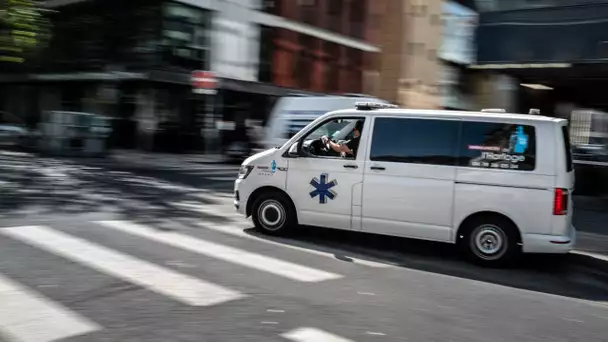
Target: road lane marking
{"type": "Point", "coordinates": [230, 254]}
{"type": "Point", "coordinates": [328, 253]}
{"type": "Point", "coordinates": [27, 316]}
{"type": "Point", "coordinates": [181, 287]}
{"type": "Point", "coordinates": [312, 335]}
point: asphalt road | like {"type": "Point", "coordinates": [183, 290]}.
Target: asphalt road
{"type": "Point", "coordinates": [116, 253]}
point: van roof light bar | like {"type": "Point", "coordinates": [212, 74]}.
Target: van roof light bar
{"type": "Point", "coordinates": [534, 111]}
{"type": "Point", "coordinates": [374, 105]}
{"type": "Point", "coordinates": [494, 110]}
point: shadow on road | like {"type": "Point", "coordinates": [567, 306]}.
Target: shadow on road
{"type": "Point", "coordinates": [43, 186]}
{"type": "Point", "coordinates": [541, 273]}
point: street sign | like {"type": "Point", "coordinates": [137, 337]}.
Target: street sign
{"type": "Point", "coordinates": [204, 82]}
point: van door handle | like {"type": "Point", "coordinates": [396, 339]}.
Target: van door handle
{"type": "Point", "coordinates": [379, 168]}
{"type": "Point", "coordinates": [350, 166]}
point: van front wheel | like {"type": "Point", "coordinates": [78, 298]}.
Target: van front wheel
{"type": "Point", "coordinates": [491, 241]}
{"type": "Point", "coordinates": [273, 214]}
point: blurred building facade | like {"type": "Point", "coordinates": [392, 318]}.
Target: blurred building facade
{"type": "Point", "coordinates": [427, 47]}
{"type": "Point", "coordinates": [408, 65]}
{"type": "Point", "coordinates": [132, 60]}
{"type": "Point", "coordinates": [557, 50]}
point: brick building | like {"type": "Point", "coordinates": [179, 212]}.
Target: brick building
{"type": "Point", "coordinates": [322, 60]}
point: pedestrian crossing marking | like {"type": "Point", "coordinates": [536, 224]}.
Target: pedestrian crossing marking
{"type": "Point", "coordinates": [181, 287]}
{"type": "Point", "coordinates": [230, 254]}
{"type": "Point", "coordinates": [27, 316]}
{"type": "Point", "coordinates": [312, 335]}
{"type": "Point", "coordinates": [328, 253]}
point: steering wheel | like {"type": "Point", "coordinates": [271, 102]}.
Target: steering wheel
{"type": "Point", "coordinates": [317, 147]}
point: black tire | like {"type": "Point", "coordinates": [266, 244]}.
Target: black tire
{"type": "Point", "coordinates": [490, 241]}
{"type": "Point", "coordinates": [272, 213]}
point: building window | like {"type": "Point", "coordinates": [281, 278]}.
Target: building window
{"type": "Point", "coordinates": [307, 2]}
{"type": "Point", "coordinates": [308, 12]}
{"type": "Point", "coordinates": [267, 49]}
{"type": "Point", "coordinates": [435, 20]}
{"type": "Point", "coordinates": [185, 37]}
{"type": "Point", "coordinates": [357, 18]}
{"type": "Point", "coordinates": [334, 15]}
{"type": "Point", "coordinates": [304, 61]}
{"type": "Point", "coordinates": [332, 74]}
{"type": "Point", "coordinates": [272, 6]}
{"type": "Point", "coordinates": [415, 141]}
{"type": "Point", "coordinates": [415, 48]}
{"type": "Point", "coordinates": [419, 10]}
{"type": "Point", "coordinates": [498, 146]}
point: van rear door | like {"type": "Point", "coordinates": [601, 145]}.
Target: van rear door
{"type": "Point", "coordinates": [564, 183]}
{"type": "Point", "coordinates": [565, 167]}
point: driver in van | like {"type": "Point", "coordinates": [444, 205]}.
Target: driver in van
{"type": "Point", "coordinates": [351, 146]}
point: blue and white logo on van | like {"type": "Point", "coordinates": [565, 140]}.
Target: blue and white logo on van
{"type": "Point", "coordinates": [322, 188]}
{"type": "Point", "coordinates": [273, 166]}
{"type": "Point", "coordinates": [520, 140]}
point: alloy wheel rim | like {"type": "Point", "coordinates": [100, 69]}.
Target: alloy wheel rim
{"type": "Point", "coordinates": [489, 242]}
{"type": "Point", "coordinates": [267, 210]}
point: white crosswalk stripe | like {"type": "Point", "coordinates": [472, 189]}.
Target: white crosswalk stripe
{"type": "Point", "coordinates": [27, 316]}
{"type": "Point", "coordinates": [184, 288]}
{"type": "Point", "coordinates": [328, 253]}
{"type": "Point", "coordinates": [225, 253]}
{"type": "Point", "coordinates": [313, 335]}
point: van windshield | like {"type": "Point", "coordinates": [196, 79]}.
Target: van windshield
{"type": "Point", "coordinates": [566, 137]}
{"type": "Point", "coordinates": [330, 129]}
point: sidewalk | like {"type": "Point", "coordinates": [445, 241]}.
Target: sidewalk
{"type": "Point", "coordinates": [164, 158]}
{"type": "Point", "coordinates": [591, 222]}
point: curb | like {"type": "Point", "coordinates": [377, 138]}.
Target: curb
{"type": "Point", "coordinates": [594, 264]}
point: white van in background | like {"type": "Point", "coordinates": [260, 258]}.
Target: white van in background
{"type": "Point", "coordinates": [292, 113]}
{"type": "Point", "coordinates": [494, 183]}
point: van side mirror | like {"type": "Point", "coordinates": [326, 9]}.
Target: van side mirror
{"type": "Point", "coordinates": [293, 150]}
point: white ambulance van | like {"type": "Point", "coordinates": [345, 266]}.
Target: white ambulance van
{"type": "Point", "coordinates": [494, 183]}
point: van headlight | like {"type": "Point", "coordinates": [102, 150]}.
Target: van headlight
{"type": "Point", "coordinates": [244, 171]}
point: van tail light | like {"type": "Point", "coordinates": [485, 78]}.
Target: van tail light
{"type": "Point", "coordinates": [560, 204]}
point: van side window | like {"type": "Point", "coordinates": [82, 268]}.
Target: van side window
{"type": "Point", "coordinates": [341, 132]}
{"type": "Point", "coordinates": [494, 145]}
{"type": "Point", "coordinates": [416, 141]}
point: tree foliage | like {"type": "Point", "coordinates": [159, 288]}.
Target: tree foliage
{"type": "Point", "coordinates": [25, 29]}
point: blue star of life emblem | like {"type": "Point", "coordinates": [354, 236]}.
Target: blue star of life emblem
{"type": "Point", "coordinates": [323, 188]}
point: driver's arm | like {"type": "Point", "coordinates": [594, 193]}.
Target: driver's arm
{"type": "Point", "coordinates": [339, 147]}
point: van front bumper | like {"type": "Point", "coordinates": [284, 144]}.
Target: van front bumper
{"type": "Point", "coordinates": [550, 244]}
{"type": "Point", "coordinates": [240, 197]}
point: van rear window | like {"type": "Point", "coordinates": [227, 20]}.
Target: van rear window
{"type": "Point", "coordinates": [568, 150]}
{"type": "Point", "coordinates": [492, 145]}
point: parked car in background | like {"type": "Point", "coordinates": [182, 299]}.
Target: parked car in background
{"type": "Point", "coordinates": [14, 134]}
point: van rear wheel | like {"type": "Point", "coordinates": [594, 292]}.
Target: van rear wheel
{"type": "Point", "coordinates": [490, 241]}
{"type": "Point", "coordinates": [273, 214]}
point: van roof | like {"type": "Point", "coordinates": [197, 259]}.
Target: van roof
{"type": "Point", "coordinates": [457, 114]}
